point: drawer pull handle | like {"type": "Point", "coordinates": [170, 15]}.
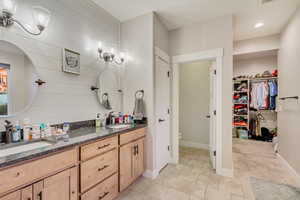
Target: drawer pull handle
{"type": "Point", "coordinates": [104, 146]}
{"type": "Point", "coordinates": [104, 195]}
{"type": "Point", "coordinates": [102, 168]}
{"type": "Point", "coordinates": [28, 198]}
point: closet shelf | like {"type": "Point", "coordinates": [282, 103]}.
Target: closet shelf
{"type": "Point", "coordinates": [236, 92]}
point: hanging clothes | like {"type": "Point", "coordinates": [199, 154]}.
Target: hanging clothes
{"type": "Point", "coordinates": [259, 95]}
{"type": "Point", "coordinates": [273, 94]}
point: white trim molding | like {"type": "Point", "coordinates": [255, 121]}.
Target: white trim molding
{"type": "Point", "coordinates": [291, 170]}
{"type": "Point", "coordinates": [214, 54]}
{"type": "Point", "coordinates": [226, 172]}
{"type": "Point", "coordinates": [196, 145]}
{"type": "Point", "coordinates": [151, 174]}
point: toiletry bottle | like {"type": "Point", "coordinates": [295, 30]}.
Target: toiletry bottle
{"type": "Point", "coordinates": [26, 129]}
{"type": "Point", "coordinates": [8, 132]}
{"type": "Point", "coordinates": [98, 120]}
{"type": "Point", "coordinates": [16, 136]}
{"type": "Point", "coordinates": [48, 132]}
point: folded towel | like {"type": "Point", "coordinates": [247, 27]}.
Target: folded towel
{"type": "Point", "coordinates": [139, 109]}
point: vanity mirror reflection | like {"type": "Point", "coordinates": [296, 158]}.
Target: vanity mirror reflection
{"type": "Point", "coordinates": [18, 80]}
{"type": "Point", "coordinates": [108, 90]}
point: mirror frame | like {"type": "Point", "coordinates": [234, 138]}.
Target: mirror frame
{"type": "Point", "coordinates": [107, 67]}
{"type": "Point", "coordinates": [29, 105]}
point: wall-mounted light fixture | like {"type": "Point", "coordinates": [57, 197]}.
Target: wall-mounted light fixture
{"type": "Point", "coordinates": [110, 56]}
{"type": "Point", "coordinates": [41, 16]}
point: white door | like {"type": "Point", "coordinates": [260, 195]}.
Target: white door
{"type": "Point", "coordinates": [212, 110]}
{"type": "Point", "coordinates": [162, 110]}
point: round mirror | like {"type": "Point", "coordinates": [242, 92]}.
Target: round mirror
{"type": "Point", "coordinates": [17, 80]}
{"type": "Point", "coordinates": [109, 94]}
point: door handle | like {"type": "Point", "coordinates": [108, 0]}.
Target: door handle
{"type": "Point", "coordinates": [208, 116]}
{"type": "Point", "coordinates": [161, 120]}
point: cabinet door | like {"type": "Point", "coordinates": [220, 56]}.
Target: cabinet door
{"type": "Point", "coordinates": [62, 186]}
{"type": "Point", "coordinates": [12, 196]}
{"type": "Point", "coordinates": [139, 158]}
{"type": "Point", "coordinates": [26, 193]}
{"type": "Point", "coordinates": [126, 165]}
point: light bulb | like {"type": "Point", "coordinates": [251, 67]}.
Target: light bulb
{"type": "Point", "coordinates": [99, 45]}
{"type": "Point", "coordinates": [112, 51]}
{"type": "Point", "coordinates": [41, 17]}
{"type": "Point", "coordinates": [122, 55]}
{"type": "Point", "coordinates": [9, 6]}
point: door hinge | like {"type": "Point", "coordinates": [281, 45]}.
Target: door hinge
{"type": "Point", "coordinates": [168, 110]}
{"type": "Point", "coordinates": [215, 153]}
{"type": "Point", "coordinates": [215, 112]}
{"type": "Point", "coordinates": [168, 74]}
{"type": "Point", "coordinates": [215, 72]}
{"type": "Point", "coordinates": [168, 147]}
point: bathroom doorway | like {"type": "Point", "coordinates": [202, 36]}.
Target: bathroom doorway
{"type": "Point", "coordinates": [196, 106]}
{"type": "Point", "coordinates": [214, 108]}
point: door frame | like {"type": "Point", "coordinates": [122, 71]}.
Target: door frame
{"type": "Point", "coordinates": [214, 54]}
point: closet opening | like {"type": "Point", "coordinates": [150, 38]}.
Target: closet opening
{"type": "Point", "coordinates": [255, 91]}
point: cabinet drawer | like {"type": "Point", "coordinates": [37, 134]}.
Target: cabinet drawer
{"type": "Point", "coordinates": [27, 173]}
{"type": "Point", "coordinates": [97, 169]}
{"type": "Point", "coordinates": [107, 190]}
{"type": "Point", "coordinates": [96, 148]}
{"type": "Point", "coordinates": [132, 135]}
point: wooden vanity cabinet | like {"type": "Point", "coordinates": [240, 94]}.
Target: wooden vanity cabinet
{"type": "Point", "coordinates": [131, 161]}
{"type": "Point", "coordinates": [62, 186]}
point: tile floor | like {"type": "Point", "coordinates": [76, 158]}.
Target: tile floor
{"type": "Point", "coordinates": [194, 179]}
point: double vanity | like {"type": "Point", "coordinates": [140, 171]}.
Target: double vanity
{"type": "Point", "coordinates": [93, 164]}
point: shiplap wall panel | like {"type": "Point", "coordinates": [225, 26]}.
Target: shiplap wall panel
{"type": "Point", "coordinates": [77, 25]}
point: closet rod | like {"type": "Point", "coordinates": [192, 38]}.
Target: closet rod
{"type": "Point", "coordinates": [285, 98]}
{"type": "Point", "coordinates": [263, 79]}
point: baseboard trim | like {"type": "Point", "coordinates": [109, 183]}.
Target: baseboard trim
{"type": "Point", "coordinates": [152, 174]}
{"type": "Point", "coordinates": [197, 145]}
{"type": "Point", "coordinates": [290, 168]}
{"type": "Point", "coordinates": [225, 172]}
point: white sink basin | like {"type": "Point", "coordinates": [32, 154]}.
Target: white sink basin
{"type": "Point", "coordinates": [23, 148]}
{"type": "Point", "coordinates": [119, 126]}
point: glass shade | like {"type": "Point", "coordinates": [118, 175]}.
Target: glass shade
{"type": "Point", "coordinates": [9, 6]}
{"type": "Point", "coordinates": [41, 16]}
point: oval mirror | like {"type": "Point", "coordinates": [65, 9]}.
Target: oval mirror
{"type": "Point", "coordinates": [17, 80]}
{"type": "Point", "coordinates": [108, 92]}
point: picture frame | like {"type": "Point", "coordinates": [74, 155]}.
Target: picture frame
{"type": "Point", "coordinates": [71, 61]}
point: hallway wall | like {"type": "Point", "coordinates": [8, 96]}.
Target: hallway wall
{"type": "Point", "coordinates": [217, 33]}
{"type": "Point", "coordinates": [194, 97]}
{"type": "Point", "coordinates": [289, 70]}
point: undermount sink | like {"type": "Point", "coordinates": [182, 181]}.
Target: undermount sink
{"type": "Point", "coordinates": [22, 148]}
{"type": "Point", "coordinates": [119, 126]}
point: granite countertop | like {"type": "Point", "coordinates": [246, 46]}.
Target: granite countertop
{"type": "Point", "coordinates": [77, 137]}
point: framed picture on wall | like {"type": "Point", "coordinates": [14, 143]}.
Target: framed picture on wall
{"type": "Point", "coordinates": [71, 61]}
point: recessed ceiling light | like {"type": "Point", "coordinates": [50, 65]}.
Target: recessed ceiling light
{"type": "Point", "coordinates": [259, 24]}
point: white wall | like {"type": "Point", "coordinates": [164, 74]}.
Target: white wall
{"type": "Point", "coordinates": [161, 35]}
{"type": "Point", "coordinates": [254, 66]}
{"type": "Point", "coordinates": [137, 36]}
{"type": "Point", "coordinates": [288, 120]}
{"type": "Point", "coordinates": [257, 44]}
{"type": "Point", "coordinates": [194, 97]}
{"type": "Point", "coordinates": [77, 25]}
{"type": "Point", "coordinates": [212, 34]}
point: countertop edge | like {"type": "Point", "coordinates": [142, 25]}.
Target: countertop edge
{"type": "Point", "coordinates": [36, 156]}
